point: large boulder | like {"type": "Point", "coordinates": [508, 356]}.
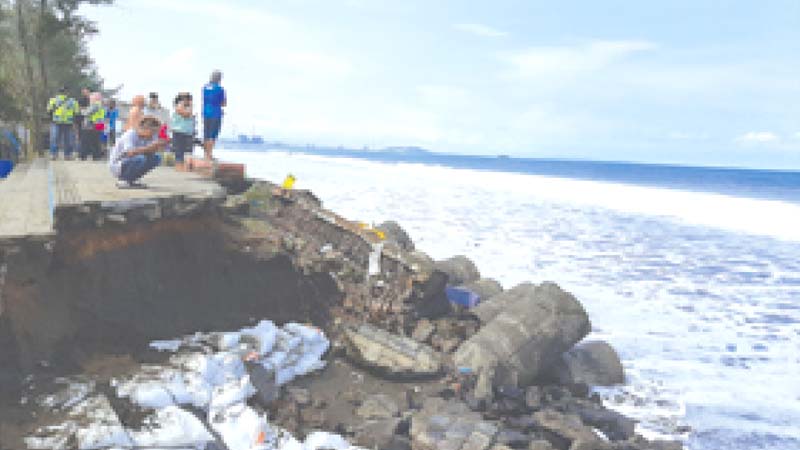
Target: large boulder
{"type": "Point", "coordinates": [594, 363]}
{"type": "Point", "coordinates": [486, 288]}
{"type": "Point", "coordinates": [390, 354]}
{"type": "Point", "coordinates": [459, 270]}
{"type": "Point", "coordinates": [395, 233]}
{"type": "Point", "coordinates": [526, 337]}
{"type": "Point", "coordinates": [488, 310]}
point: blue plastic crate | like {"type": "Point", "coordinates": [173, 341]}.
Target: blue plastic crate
{"type": "Point", "coordinates": [462, 296]}
{"type": "Point", "coordinates": [5, 167]}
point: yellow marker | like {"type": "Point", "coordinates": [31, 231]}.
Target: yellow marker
{"type": "Point", "coordinates": [381, 235]}
{"type": "Point", "coordinates": [288, 182]}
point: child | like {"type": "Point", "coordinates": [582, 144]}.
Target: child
{"type": "Point", "coordinates": [183, 128]}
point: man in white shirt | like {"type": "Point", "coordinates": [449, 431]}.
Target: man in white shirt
{"type": "Point", "coordinates": [134, 154]}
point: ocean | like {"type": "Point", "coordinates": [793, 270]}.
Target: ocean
{"type": "Point", "coordinates": [693, 274]}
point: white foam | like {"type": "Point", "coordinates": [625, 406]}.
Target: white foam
{"type": "Point", "coordinates": [697, 291]}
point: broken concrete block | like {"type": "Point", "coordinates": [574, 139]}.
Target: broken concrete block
{"type": "Point", "coordinates": [423, 331]}
{"type": "Point", "coordinates": [395, 233]}
{"type": "Point", "coordinates": [390, 354]}
{"type": "Point", "coordinates": [486, 288]}
{"type": "Point", "coordinates": [528, 335]}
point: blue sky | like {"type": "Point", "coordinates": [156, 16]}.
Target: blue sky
{"type": "Point", "coordinates": [693, 82]}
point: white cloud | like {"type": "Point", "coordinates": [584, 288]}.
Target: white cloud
{"type": "Point", "coordinates": [480, 30]}
{"type": "Point", "coordinates": [539, 62]}
{"type": "Point", "coordinates": [757, 137]}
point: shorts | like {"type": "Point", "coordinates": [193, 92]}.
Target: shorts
{"type": "Point", "coordinates": [211, 127]}
{"type": "Point", "coordinates": [182, 144]}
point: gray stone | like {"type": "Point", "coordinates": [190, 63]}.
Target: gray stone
{"type": "Point", "coordinates": [613, 424]}
{"type": "Point", "coordinates": [379, 406]}
{"type": "Point", "coordinates": [423, 331]}
{"type": "Point", "coordinates": [594, 363]}
{"type": "Point", "coordinates": [459, 269]}
{"type": "Point", "coordinates": [394, 232]}
{"type": "Point", "coordinates": [528, 335]}
{"type": "Point", "coordinates": [486, 288]}
{"type": "Point", "coordinates": [377, 433]}
{"type": "Point", "coordinates": [390, 354]}
{"type": "Point", "coordinates": [488, 310]}
{"type": "Point", "coordinates": [567, 431]}
{"type": "Point", "coordinates": [450, 425]}
{"type": "Point", "coordinates": [539, 444]}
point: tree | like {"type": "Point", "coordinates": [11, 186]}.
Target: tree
{"type": "Point", "coordinates": [43, 45]}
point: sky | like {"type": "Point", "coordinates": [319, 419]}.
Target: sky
{"type": "Point", "coordinates": [697, 82]}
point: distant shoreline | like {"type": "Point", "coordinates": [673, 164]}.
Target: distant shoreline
{"type": "Point", "coordinates": [782, 185]}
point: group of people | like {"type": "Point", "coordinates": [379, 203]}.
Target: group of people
{"type": "Point", "coordinates": [85, 123]}
{"type": "Point", "coordinates": [148, 130]}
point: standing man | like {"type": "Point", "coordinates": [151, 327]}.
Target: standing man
{"type": "Point", "coordinates": [112, 115]}
{"type": "Point", "coordinates": [213, 101]}
{"type": "Point", "coordinates": [80, 118]}
{"type": "Point", "coordinates": [63, 110]}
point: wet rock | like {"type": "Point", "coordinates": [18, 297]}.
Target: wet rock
{"type": "Point", "coordinates": [379, 406]}
{"type": "Point", "coordinates": [390, 354]}
{"type": "Point", "coordinates": [566, 431]}
{"type": "Point", "coordinates": [423, 331]}
{"type": "Point", "coordinates": [528, 335]}
{"type": "Point", "coordinates": [486, 288]}
{"type": "Point", "coordinates": [613, 424]}
{"type": "Point", "coordinates": [459, 270]}
{"type": "Point", "coordinates": [395, 233]}
{"type": "Point", "coordinates": [593, 363]}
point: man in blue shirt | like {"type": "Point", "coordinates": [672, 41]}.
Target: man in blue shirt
{"type": "Point", "coordinates": [213, 102]}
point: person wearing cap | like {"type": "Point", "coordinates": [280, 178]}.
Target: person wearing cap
{"type": "Point", "coordinates": [135, 152]}
{"type": "Point", "coordinates": [213, 101]}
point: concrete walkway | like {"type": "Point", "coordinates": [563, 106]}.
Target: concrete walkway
{"type": "Point", "coordinates": [33, 191]}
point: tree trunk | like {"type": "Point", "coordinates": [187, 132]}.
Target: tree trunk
{"type": "Point", "coordinates": [34, 116]}
{"type": "Point", "coordinates": [40, 49]}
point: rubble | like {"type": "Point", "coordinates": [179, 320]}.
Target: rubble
{"type": "Point", "coordinates": [406, 370]}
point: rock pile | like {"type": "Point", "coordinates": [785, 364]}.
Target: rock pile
{"type": "Point", "coordinates": [410, 365]}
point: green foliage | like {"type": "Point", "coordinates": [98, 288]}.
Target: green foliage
{"type": "Point", "coordinates": [41, 50]}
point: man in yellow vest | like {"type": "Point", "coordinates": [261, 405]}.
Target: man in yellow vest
{"type": "Point", "coordinates": [62, 109]}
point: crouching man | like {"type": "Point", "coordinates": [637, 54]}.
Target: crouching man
{"type": "Point", "coordinates": [134, 154]}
